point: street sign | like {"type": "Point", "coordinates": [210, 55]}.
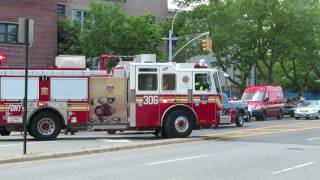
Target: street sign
{"type": "Point", "coordinates": [22, 34]}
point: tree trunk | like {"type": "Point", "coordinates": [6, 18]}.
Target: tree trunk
{"type": "Point", "coordinates": [270, 76]}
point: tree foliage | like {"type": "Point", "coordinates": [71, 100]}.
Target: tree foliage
{"type": "Point", "coordinates": [111, 31]}
{"type": "Point", "coordinates": [68, 37]}
{"type": "Point", "coordinates": [281, 34]}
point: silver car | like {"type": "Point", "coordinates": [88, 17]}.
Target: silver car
{"type": "Point", "coordinates": [309, 109]}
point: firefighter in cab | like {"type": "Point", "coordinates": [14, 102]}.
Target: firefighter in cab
{"type": "Point", "coordinates": [201, 83]}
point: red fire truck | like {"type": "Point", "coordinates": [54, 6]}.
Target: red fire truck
{"type": "Point", "coordinates": [141, 95]}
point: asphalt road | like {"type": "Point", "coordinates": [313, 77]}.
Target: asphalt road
{"type": "Point", "coordinates": [13, 145]}
{"type": "Point", "coordinates": [290, 151]}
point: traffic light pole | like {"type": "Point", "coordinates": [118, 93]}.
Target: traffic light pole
{"type": "Point", "coordinates": [170, 38]}
{"type": "Point", "coordinates": [170, 45]}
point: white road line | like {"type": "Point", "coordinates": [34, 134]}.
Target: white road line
{"type": "Point", "coordinates": [312, 139]}
{"type": "Point", "coordinates": [117, 141]}
{"type": "Point", "coordinates": [20, 144]}
{"type": "Point", "coordinates": [295, 167]}
{"type": "Point", "coordinates": [180, 159]}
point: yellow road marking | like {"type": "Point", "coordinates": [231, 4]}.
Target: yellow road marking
{"type": "Point", "coordinates": [266, 130]}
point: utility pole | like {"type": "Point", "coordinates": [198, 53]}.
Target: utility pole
{"type": "Point", "coordinates": [25, 100]}
{"type": "Point", "coordinates": [25, 37]}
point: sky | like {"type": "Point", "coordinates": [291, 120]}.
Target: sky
{"type": "Point", "coordinates": [172, 6]}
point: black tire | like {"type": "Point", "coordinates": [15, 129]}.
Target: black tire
{"type": "Point", "coordinates": [179, 124]}
{"type": "Point", "coordinates": [215, 126]}
{"type": "Point", "coordinates": [111, 132]}
{"type": "Point", "coordinates": [292, 115]}
{"type": "Point", "coordinates": [296, 118]}
{"type": "Point", "coordinates": [263, 116]}
{"type": "Point", "coordinates": [45, 126]}
{"type": "Point", "coordinates": [240, 120]}
{"type": "Point", "coordinates": [30, 132]}
{"type": "Point", "coordinates": [164, 134]}
{"type": "Point", "coordinates": [5, 133]}
{"type": "Point", "coordinates": [279, 116]}
{"type": "Point", "coordinates": [307, 117]}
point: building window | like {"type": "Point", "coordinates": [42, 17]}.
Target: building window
{"type": "Point", "coordinates": [61, 9]}
{"type": "Point", "coordinates": [81, 16]}
{"type": "Point", "coordinates": [8, 33]}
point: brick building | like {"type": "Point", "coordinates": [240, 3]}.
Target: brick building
{"type": "Point", "coordinates": [45, 15]}
{"type": "Point", "coordinates": [76, 9]}
{"type": "Point", "coordinates": [44, 48]}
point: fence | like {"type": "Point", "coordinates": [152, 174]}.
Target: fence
{"type": "Point", "coordinates": [307, 95]}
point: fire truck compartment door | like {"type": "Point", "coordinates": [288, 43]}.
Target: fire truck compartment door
{"type": "Point", "coordinates": [69, 88]}
{"type": "Point", "coordinates": [147, 96]}
{"type": "Point", "coordinates": [12, 88]}
{"type": "Point", "coordinates": [108, 100]}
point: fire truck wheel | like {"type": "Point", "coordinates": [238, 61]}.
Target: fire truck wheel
{"type": "Point", "coordinates": [5, 133]}
{"type": "Point", "coordinates": [111, 131]}
{"type": "Point", "coordinates": [239, 120]}
{"type": "Point", "coordinates": [164, 134]}
{"type": "Point", "coordinates": [178, 124]}
{"type": "Point", "coordinates": [30, 132]}
{"type": "Point", "coordinates": [279, 116]}
{"type": "Point", "coordinates": [45, 126]}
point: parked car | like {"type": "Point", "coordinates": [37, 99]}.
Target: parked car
{"type": "Point", "coordinates": [264, 101]}
{"type": "Point", "coordinates": [291, 104]}
{"type": "Point", "coordinates": [309, 109]}
{"type": "Point", "coordinates": [240, 109]}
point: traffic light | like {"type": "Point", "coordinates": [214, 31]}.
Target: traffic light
{"type": "Point", "coordinates": [2, 58]}
{"type": "Point", "coordinates": [207, 44]}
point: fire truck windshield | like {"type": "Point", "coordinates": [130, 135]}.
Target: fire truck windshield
{"type": "Point", "coordinates": [217, 83]}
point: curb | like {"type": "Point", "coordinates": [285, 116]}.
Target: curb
{"type": "Point", "coordinates": [55, 155]}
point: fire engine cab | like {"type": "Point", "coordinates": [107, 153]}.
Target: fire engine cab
{"type": "Point", "coordinates": [170, 99]}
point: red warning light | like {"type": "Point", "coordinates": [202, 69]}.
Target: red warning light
{"type": "Point", "coordinates": [2, 58]}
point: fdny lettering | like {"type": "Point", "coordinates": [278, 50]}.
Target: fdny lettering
{"type": "Point", "coordinates": [14, 107]}
{"type": "Point", "coordinates": [150, 100]}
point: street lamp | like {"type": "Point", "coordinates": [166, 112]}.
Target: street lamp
{"type": "Point", "coordinates": [171, 34]}
{"type": "Point", "coordinates": [185, 7]}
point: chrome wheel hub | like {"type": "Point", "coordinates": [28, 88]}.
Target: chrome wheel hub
{"type": "Point", "coordinates": [46, 126]}
{"type": "Point", "coordinates": [181, 124]}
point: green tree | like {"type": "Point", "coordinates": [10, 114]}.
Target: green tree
{"type": "Point", "coordinates": [68, 37]}
{"type": "Point", "coordinates": [113, 32]}
{"type": "Point", "coordinates": [282, 34]}
{"type": "Point", "coordinates": [230, 33]}
{"type": "Point", "coordinates": [300, 43]}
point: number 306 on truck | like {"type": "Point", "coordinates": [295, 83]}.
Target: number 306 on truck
{"type": "Point", "coordinates": [140, 95]}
